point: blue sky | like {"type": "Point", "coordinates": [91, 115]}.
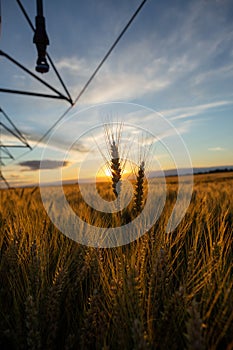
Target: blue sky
{"type": "Point", "coordinates": [176, 58]}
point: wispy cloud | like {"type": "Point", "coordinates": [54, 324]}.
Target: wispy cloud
{"type": "Point", "coordinates": [189, 111]}
{"type": "Point", "coordinates": [216, 149]}
{"type": "Point", "coordinates": [74, 66]}
{"type": "Point", "coordinates": [146, 65]}
{"type": "Point", "coordinates": [214, 74]}
{"type": "Point", "coordinates": [118, 79]}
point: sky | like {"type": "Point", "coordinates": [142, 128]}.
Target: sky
{"type": "Point", "coordinates": [171, 73]}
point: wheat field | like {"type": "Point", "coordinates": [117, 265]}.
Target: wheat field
{"type": "Point", "coordinates": [162, 291]}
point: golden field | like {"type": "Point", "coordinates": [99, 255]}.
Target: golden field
{"type": "Point", "coordinates": [163, 291]}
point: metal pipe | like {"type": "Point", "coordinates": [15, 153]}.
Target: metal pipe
{"type": "Point", "coordinates": [12, 124]}
{"type": "Point", "coordinates": [13, 133]}
{"type": "Point", "coordinates": [49, 57]}
{"type": "Point", "coordinates": [39, 8]}
{"type": "Point", "coordinates": [36, 94]}
{"type": "Point", "coordinates": [34, 76]}
{"type": "Point", "coordinates": [17, 146]}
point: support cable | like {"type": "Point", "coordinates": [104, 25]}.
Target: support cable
{"type": "Point", "coordinates": [2, 178]}
{"type": "Point", "coordinates": [4, 152]}
{"type": "Point", "coordinates": [13, 125]}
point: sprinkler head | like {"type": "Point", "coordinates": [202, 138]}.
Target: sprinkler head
{"type": "Point", "coordinates": [42, 65]}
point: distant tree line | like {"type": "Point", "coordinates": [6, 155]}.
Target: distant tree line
{"type": "Point", "coordinates": [213, 171]}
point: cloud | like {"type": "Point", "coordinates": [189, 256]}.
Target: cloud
{"type": "Point", "coordinates": [118, 79]}
{"type": "Point", "coordinates": [188, 55]}
{"type": "Point", "coordinates": [19, 76]}
{"type": "Point", "coordinates": [73, 65]}
{"type": "Point", "coordinates": [189, 111]}
{"type": "Point", "coordinates": [32, 165]}
{"type": "Point", "coordinates": [222, 73]}
{"type": "Point", "coordinates": [216, 149]}
{"type": "Point", "coordinates": [147, 65]}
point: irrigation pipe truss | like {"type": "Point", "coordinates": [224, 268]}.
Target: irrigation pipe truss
{"type": "Point", "coordinates": [88, 81]}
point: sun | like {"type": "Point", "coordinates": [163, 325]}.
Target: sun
{"type": "Point", "coordinates": [108, 172]}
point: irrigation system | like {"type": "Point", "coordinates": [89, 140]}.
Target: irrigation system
{"type": "Point", "coordinates": [43, 64]}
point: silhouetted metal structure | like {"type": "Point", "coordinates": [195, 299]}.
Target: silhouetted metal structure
{"type": "Point", "coordinates": [2, 178]}
{"type": "Point", "coordinates": [16, 135]}
{"type": "Point", "coordinates": [41, 40]}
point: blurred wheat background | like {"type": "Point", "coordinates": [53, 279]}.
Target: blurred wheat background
{"type": "Point", "coordinates": [163, 291]}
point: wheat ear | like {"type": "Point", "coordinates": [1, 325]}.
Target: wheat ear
{"type": "Point", "coordinates": [139, 188]}
{"type": "Point", "coordinates": [115, 168]}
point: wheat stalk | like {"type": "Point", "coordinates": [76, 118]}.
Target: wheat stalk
{"type": "Point", "coordinates": [139, 188]}
{"type": "Point", "coordinates": [113, 137]}
{"type": "Point", "coordinates": [115, 169]}
{"type": "Point", "coordinates": [144, 154]}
